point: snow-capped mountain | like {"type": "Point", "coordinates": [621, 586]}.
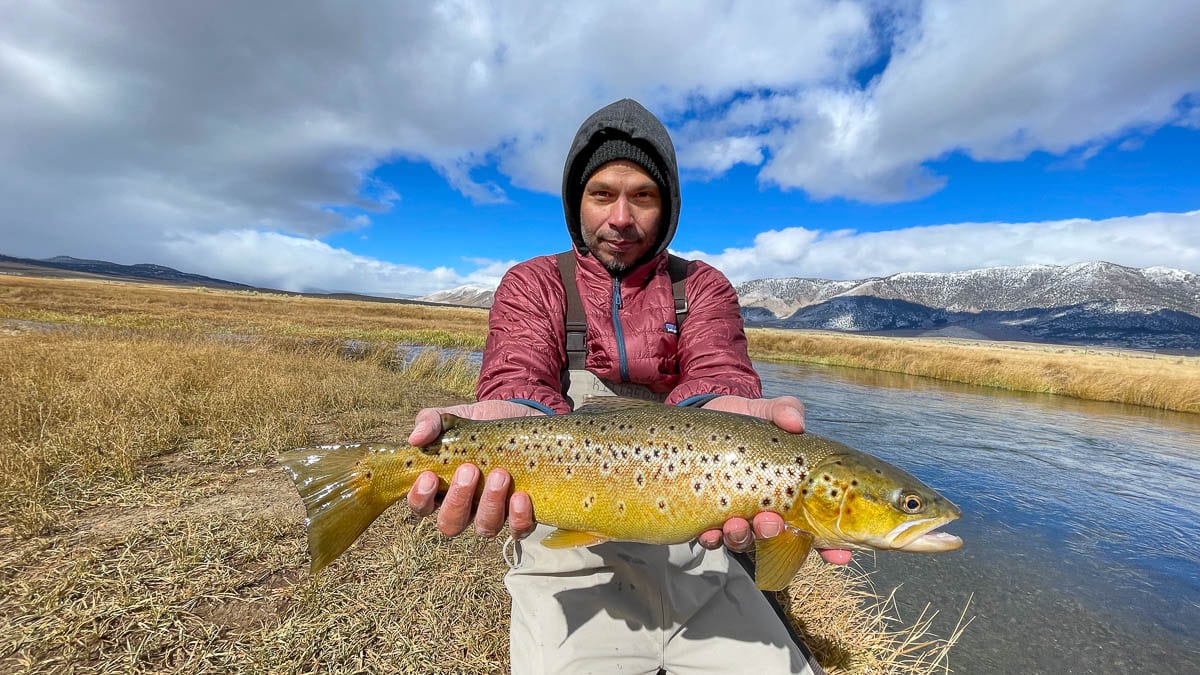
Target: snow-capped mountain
{"type": "Point", "coordinates": [469, 296]}
{"type": "Point", "coordinates": [1092, 303]}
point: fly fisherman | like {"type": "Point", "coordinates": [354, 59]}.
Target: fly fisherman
{"type": "Point", "coordinates": [636, 608]}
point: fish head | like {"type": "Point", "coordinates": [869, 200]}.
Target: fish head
{"type": "Point", "coordinates": [858, 501]}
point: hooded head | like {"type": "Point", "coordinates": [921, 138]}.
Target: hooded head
{"type": "Point", "coordinates": [622, 130]}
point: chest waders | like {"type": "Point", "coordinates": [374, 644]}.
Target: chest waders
{"type": "Point", "coordinates": [639, 608]}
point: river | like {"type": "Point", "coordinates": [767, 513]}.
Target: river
{"type": "Point", "coordinates": [1081, 519]}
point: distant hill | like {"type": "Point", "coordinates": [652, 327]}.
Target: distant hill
{"type": "Point", "coordinates": [67, 267]}
{"type": "Point", "coordinates": [1095, 303]}
{"type": "Point", "coordinates": [102, 268]}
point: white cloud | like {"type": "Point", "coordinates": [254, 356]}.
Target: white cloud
{"type": "Point", "coordinates": [996, 81]}
{"type": "Point", "coordinates": [1164, 239]}
{"type": "Point", "coordinates": [299, 264]}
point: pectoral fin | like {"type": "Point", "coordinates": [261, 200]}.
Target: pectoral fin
{"type": "Point", "coordinates": [572, 538]}
{"type": "Point", "coordinates": [778, 559]}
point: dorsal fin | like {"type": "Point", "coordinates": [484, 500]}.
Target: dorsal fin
{"type": "Point", "coordinates": [607, 404]}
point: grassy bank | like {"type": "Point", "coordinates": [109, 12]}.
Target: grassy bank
{"type": "Point", "coordinates": [1167, 382]}
{"type": "Point", "coordinates": [1147, 379]}
{"type": "Point", "coordinates": [145, 525]}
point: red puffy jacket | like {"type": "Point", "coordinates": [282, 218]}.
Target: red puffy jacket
{"type": "Point", "coordinates": [526, 351]}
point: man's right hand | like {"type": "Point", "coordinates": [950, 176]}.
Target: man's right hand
{"type": "Point", "coordinates": [495, 505]}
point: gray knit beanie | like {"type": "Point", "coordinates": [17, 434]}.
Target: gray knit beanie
{"type": "Point", "coordinates": [619, 148]}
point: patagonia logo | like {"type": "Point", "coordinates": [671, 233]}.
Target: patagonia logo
{"type": "Point", "coordinates": [670, 328]}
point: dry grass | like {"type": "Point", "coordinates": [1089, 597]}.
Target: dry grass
{"type": "Point", "coordinates": [113, 304]}
{"type": "Point", "coordinates": [1167, 382]}
{"type": "Point", "coordinates": [145, 527]}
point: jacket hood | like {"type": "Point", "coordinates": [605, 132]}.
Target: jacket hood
{"type": "Point", "coordinates": [629, 120]}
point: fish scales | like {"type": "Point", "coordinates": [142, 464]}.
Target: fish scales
{"type": "Point", "coordinates": [642, 477]}
{"type": "Point", "coordinates": [627, 470]}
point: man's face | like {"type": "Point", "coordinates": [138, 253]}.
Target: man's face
{"type": "Point", "coordinates": [620, 214]}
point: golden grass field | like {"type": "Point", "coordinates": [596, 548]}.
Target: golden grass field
{"type": "Point", "coordinates": [145, 525]}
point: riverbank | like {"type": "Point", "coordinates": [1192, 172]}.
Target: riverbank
{"type": "Point", "coordinates": [1119, 376]}
{"type": "Point", "coordinates": [1135, 378]}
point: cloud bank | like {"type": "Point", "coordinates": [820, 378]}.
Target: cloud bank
{"type": "Point", "coordinates": [1155, 239]}
{"type": "Point", "coordinates": [229, 139]}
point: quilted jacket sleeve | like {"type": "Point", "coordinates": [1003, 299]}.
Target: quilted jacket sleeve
{"type": "Point", "coordinates": [525, 350]}
{"type": "Point", "coordinates": [713, 358]}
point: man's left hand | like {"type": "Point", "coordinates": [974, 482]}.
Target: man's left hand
{"type": "Point", "coordinates": [787, 413]}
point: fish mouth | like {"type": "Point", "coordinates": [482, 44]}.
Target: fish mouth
{"type": "Point", "coordinates": [920, 536]}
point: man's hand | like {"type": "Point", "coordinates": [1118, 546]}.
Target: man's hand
{"type": "Point", "coordinates": [787, 413]}
{"type": "Point", "coordinates": [495, 505]}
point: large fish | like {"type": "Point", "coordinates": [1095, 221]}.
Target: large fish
{"type": "Point", "coordinates": [619, 469]}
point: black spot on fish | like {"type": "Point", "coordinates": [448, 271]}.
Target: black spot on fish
{"type": "Point", "coordinates": [408, 464]}
{"type": "Point", "coordinates": [671, 427]}
{"type": "Point", "coordinates": [713, 437]}
{"type": "Point", "coordinates": [774, 439]}
{"type": "Point", "coordinates": [473, 437]}
{"type": "Point", "coordinates": [804, 491]}
{"type": "Point", "coordinates": [766, 501]}
{"type": "Point", "coordinates": [739, 485]}
{"type": "Point", "coordinates": [708, 475]}
{"type": "Point", "coordinates": [763, 465]}
{"type": "Point", "coordinates": [728, 437]}
{"type": "Point", "coordinates": [724, 500]}
{"type": "Point", "coordinates": [790, 491]}
{"type": "Point", "coordinates": [826, 478]}
{"type": "Point", "coordinates": [854, 482]}
{"type": "Point", "coordinates": [800, 460]}
{"type": "Point", "coordinates": [652, 430]}
{"type": "Point", "coordinates": [697, 486]}
{"type": "Point", "coordinates": [833, 493]}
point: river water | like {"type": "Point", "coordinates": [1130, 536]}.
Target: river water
{"type": "Point", "coordinates": [1081, 520]}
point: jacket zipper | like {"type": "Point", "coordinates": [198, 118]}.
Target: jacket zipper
{"type": "Point", "coordinates": [620, 333]}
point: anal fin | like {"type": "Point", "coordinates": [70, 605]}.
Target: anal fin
{"type": "Point", "coordinates": [572, 539]}
{"type": "Point", "coordinates": [777, 559]}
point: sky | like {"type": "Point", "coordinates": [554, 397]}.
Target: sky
{"type": "Point", "coordinates": [400, 148]}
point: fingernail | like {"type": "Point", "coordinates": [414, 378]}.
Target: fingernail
{"type": "Point", "coordinates": [495, 483]}
{"type": "Point", "coordinates": [464, 475]}
{"type": "Point", "coordinates": [769, 529]}
{"type": "Point", "coordinates": [739, 538]}
{"type": "Point", "coordinates": [426, 483]}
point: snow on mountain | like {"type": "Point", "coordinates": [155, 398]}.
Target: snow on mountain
{"type": "Point", "coordinates": [469, 296]}
{"type": "Point", "coordinates": [1093, 302]}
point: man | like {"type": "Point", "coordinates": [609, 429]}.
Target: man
{"type": "Point", "coordinates": [620, 606]}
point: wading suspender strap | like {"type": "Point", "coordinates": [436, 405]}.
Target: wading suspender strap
{"type": "Point", "coordinates": [576, 321]}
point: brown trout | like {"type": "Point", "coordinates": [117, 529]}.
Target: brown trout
{"type": "Point", "coordinates": [619, 469]}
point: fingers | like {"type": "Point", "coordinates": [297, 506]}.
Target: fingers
{"type": "Point", "coordinates": [422, 497]}
{"type": "Point", "coordinates": [455, 514]}
{"type": "Point", "coordinates": [787, 412]}
{"type": "Point", "coordinates": [520, 515]}
{"type": "Point", "coordinates": [768, 524]}
{"type": "Point", "coordinates": [712, 539]}
{"type": "Point", "coordinates": [836, 556]}
{"type": "Point", "coordinates": [493, 504]}
{"type": "Point", "coordinates": [427, 428]}
{"type": "Point", "coordinates": [738, 535]}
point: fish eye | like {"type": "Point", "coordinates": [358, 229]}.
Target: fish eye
{"type": "Point", "coordinates": [911, 503]}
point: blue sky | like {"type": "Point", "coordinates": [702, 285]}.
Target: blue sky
{"type": "Point", "coordinates": [403, 148]}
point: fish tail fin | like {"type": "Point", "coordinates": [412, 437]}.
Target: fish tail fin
{"type": "Point", "coordinates": [337, 487]}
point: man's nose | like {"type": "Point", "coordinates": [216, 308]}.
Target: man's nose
{"type": "Point", "coordinates": [622, 214]}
